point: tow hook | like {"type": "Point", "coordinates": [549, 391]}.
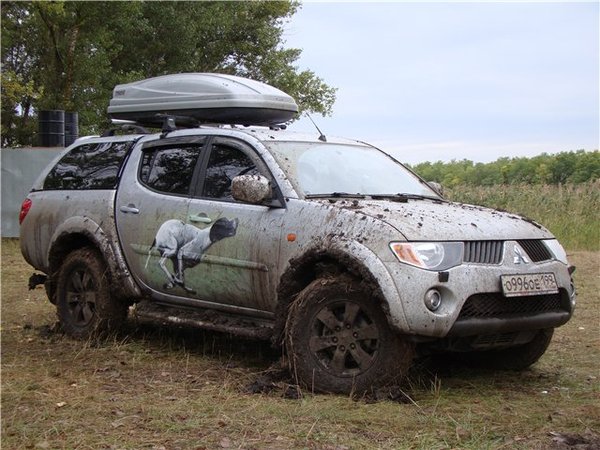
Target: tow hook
{"type": "Point", "coordinates": [36, 279]}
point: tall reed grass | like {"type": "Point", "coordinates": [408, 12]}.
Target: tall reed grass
{"type": "Point", "coordinates": [570, 211]}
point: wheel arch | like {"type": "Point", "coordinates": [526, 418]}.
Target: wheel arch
{"type": "Point", "coordinates": [79, 232]}
{"type": "Point", "coordinates": [350, 258]}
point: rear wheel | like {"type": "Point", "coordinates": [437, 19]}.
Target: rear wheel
{"type": "Point", "coordinates": [84, 304]}
{"type": "Point", "coordinates": [513, 358]}
{"type": "Point", "coordinates": [338, 339]}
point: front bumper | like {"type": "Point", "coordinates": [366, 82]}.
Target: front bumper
{"type": "Point", "coordinates": [473, 303]}
{"type": "Point", "coordinates": [547, 311]}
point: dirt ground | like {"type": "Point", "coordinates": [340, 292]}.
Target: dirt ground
{"type": "Point", "coordinates": [153, 387]}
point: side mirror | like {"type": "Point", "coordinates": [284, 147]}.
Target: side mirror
{"type": "Point", "coordinates": [437, 187]}
{"type": "Point", "coordinates": [251, 189]}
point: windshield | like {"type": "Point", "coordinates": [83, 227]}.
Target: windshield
{"type": "Point", "coordinates": [324, 169]}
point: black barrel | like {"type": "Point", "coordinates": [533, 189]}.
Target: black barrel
{"type": "Point", "coordinates": [71, 127]}
{"type": "Point", "coordinates": [52, 128]}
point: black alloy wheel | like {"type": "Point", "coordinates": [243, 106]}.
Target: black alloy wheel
{"type": "Point", "coordinates": [84, 303]}
{"type": "Point", "coordinates": [338, 339]}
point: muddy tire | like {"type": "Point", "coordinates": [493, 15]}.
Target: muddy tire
{"type": "Point", "coordinates": [84, 305]}
{"type": "Point", "coordinates": [338, 340]}
{"type": "Point", "coordinates": [513, 358]}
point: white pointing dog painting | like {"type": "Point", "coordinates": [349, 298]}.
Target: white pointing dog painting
{"type": "Point", "coordinates": [185, 244]}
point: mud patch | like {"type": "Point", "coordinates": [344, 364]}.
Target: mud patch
{"type": "Point", "coordinates": [589, 440]}
{"type": "Point", "coordinates": [48, 331]}
{"type": "Point", "coordinates": [275, 381]}
{"type": "Point", "coordinates": [393, 393]}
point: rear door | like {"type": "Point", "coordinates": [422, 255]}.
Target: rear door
{"type": "Point", "coordinates": [156, 188]}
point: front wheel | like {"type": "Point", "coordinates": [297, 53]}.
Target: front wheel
{"type": "Point", "coordinates": [84, 304]}
{"type": "Point", "coordinates": [338, 339]}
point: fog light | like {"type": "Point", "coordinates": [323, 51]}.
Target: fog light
{"type": "Point", "coordinates": [433, 299]}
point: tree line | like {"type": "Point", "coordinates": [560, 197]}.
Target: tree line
{"type": "Point", "coordinates": [69, 55]}
{"type": "Point", "coordinates": [565, 167]}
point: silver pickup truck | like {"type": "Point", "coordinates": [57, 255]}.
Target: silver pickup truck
{"type": "Point", "coordinates": [329, 247]}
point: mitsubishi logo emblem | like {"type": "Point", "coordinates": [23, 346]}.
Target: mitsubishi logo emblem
{"type": "Point", "coordinates": [519, 256]}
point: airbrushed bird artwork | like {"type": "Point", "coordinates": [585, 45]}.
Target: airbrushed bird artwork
{"type": "Point", "coordinates": [184, 245]}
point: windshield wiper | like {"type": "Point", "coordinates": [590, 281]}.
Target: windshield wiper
{"type": "Point", "coordinates": [403, 197]}
{"type": "Point", "coordinates": [335, 195]}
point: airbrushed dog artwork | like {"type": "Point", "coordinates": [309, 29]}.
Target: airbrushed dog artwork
{"type": "Point", "coordinates": [185, 244]}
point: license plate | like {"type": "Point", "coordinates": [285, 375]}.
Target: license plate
{"type": "Point", "coordinates": [528, 284]}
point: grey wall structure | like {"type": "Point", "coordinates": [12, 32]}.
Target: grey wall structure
{"type": "Point", "coordinates": [19, 170]}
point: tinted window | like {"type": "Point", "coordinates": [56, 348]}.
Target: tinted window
{"type": "Point", "coordinates": [224, 164]}
{"type": "Point", "coordinates": [89, 166]}
{"type": "Point", "coordinates": [170, 169]}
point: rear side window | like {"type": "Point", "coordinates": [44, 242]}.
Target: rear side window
{"type": "Point", "coordinates": [89, 166]}
{"type": "Point", "coordinates": [170, 169]}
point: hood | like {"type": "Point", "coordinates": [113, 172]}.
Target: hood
{"type": "Point", "coordinates": [434, 220]}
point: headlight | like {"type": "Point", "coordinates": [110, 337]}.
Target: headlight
{"type": "Point", "coordinates": [429, 255]}
{"type": "Point", "coordinates": [557, 250]}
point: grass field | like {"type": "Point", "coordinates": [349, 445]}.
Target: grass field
{"type": "Point", "coordinates": [570, 211]}
{"type": "Point", "coordinates": [151, 387]}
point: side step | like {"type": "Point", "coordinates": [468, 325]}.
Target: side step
{"type": "Point", "coordinates": [206, 319]}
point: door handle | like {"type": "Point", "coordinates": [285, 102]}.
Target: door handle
{"type": "Point", "coordinates": [129, 209]}
{"type": "Point", "coordinates": [200, 218]}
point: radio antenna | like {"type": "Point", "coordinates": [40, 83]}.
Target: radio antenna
{"type": "Point", "coordinates": [322, 137]}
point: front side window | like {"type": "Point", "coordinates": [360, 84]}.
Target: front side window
{"type": "Point", "coordinates": [89, 166]}
{"type": "Point", "coordinates": [224, 164]}
{"type": "Point", "coordinates": [169, 169]}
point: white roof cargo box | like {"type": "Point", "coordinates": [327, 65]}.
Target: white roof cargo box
{"type": "Point", "coordinates": [205, 97]}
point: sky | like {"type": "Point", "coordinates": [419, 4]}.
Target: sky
{"type": "Point", "coordinates": [441, 81]}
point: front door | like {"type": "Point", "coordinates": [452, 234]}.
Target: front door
{"type": "Point", "coordinates": [242, 249]}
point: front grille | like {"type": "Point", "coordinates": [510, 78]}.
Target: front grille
{"type": "Point", "coordinates": [535, 249]}
{"type": "Point", "coordinates": [483, 252]}
{"type": "Point", "coordinates": [497, 306]}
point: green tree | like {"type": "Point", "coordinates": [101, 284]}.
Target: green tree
{"type": "Point", "coordinates": [73, 53]}
{"type": "Point", "coordinates": [18, 89]}
{"type": "Point", "coordinates": [17, 94]}
{"type": "Point", "coordinates": [587, 167]}
{"type": "Point", "coordinates": [564, 167]}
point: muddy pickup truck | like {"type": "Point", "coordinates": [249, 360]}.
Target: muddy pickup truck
{"type": "Point", "coordinates": [328, 247]}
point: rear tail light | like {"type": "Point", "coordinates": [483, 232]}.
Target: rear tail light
{"type": "Point", "coordinates": [25, 207]}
